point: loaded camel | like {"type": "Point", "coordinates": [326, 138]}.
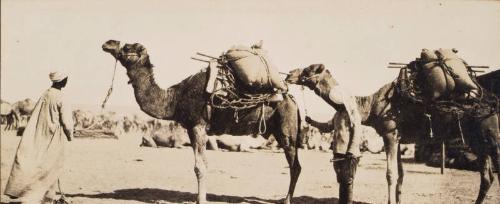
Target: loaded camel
{"type": "Point", "coordinates": [186, 102]}
{"type": "Point", "coordinates": [401, 121]}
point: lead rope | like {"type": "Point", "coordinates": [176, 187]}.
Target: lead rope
{"type": "Point", "coordinates": [431, 134]}
{"type": "Point", "coordinates": [304, 100]}
{"type": "Point", "coordinates": [262, 122]}
{"type": "Point", "coordinates": [62, 199]}
{"type": "Point", "coordinates": [110, 90]}
{"type": "Point", "coordinates": [460, 128]}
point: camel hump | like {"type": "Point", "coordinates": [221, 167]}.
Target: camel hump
{"type": "Point", "coordinates": [5, 107]}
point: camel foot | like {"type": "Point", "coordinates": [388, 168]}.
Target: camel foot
{"type": "Point", "coordinates": [288, 200]}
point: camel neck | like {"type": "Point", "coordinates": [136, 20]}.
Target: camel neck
{"type": "Point", "coordinates": [152, 99]}
{"type": "Point", "coordinates": [323, 89]}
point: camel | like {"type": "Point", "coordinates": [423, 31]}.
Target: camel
{"type": "Point", "coordinates": [8, 115]}
{"type": "Point", "coordinates": [186, 103]}
{"type": "Point", "coordinates": [23, 109]}
{"type": "Point", "coordinates": [399, 120]}
{"type": "Point", "coordinates": [313, 139]}
{"type": "Point", "coordinates": [83, 119]}
{"type": "Point", "coordinates": [166, 134]}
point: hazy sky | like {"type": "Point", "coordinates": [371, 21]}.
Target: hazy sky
{"type": "Point", "coordinates": [354, 39]}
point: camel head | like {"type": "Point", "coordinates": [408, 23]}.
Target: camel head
{"type": "Point", "coordinates": [310, 76]}
{"type": "Point", "coordinates": [130, 55]}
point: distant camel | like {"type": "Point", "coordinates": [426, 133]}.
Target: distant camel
{"type": "Point", "coordinates": [398, 120]}
{"type": "Point", "coordinates": [23, 109]}
{"type": "Point", "coordinates": [186, 103]}
{"type": "Point", "coordinates": [8, 115]}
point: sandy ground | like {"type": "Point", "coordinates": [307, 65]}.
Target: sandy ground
{"type": "Point", "coordinates": [119, 171]}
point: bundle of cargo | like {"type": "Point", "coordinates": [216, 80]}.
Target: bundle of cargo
{"type": "Point", "coordinates": [447, 74]}
{"type": "Point", "coordinates": [253, 67]}
{"type": "Point", "coordinates": [438, 75]}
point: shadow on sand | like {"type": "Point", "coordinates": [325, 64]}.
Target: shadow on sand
{"type": "Point", "coordinates": [153, 195]}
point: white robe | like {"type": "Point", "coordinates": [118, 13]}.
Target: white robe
{"type": "Point", "coordinates": [40, 154]}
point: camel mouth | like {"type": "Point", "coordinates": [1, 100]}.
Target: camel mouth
{"type": "Point", "coordinates": [128, 54]}
{"type": "Point", "coordinates": [294, 76]}
{"type": "Point", "coordinates": [112, 47]}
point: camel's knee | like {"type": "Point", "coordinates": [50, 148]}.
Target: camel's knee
{"type": "Point", "coordinates": [400, 176]}
{"type": "Point", "coordinates": [391, 177]}
{"type": "Point", "coordinates": [297, 168]}
{"type": "Point", "coordinates": [200, 172]}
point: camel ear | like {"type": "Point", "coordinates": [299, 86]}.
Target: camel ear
{"type": "Point", "coordinates": [141, 50]}
{"type": "Point", "coordinates": [320, 68]}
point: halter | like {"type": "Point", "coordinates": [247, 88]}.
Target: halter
{"type": "Point", "coordinates": [304, 79]}
{"type": "Point", "coordinates": [110, 90]}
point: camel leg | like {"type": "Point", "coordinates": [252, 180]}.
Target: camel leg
{"type": "Point", "coordinates": [487, 177]}
{"type": "Point", "coordinates": [391, 143]}
{"type": "Point", "coordinates": [400, 177]}
{"type": "Point", "coordinates": [287, 136]}
{"type": "Point", "coordinates": [295, 168]}
{"type": "Point", "coordinates": [490, 128]}
{"type": "Point", "coordinates": [198, 138]}
{"type": "Point", "coordinates": [288, 143]}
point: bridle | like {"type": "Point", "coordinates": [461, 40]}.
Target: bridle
{"type": "Point", "coordinates": [303, 80]}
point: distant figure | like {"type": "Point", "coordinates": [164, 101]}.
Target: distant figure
{"type": "Point", "coordinates": [40, 154]}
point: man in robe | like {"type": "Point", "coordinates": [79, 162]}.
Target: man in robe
{"type": "Point", "coordinates": [40, 155]}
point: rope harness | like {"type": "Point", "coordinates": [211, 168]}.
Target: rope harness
{"type": "Point", "coordinates": [227, 96]}
{"type": "Point", "coordinates": [110, 90]}
{"type": "Point", "coordinates": [62, 199]}
{"type": "Point", "coordinates": [477, 107]}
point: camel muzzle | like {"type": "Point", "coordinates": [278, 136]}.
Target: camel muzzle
{"type": "Point", "coordinates": [112, 47]}
{"type": "Point", "coordinates": [293, 76]}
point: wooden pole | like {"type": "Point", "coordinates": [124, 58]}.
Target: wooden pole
{"type": "Point", "coordinates": [479, 67]}
{"type": "Point", "coordinates": [397, 63]}
{"type": "Point", "coordinates": [194, 58]}
{"type": "Point", "coordinates": [204, 55]}
{"type": "Point", "coordinates": [443, 156]}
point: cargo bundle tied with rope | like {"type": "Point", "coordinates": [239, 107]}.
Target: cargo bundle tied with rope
{"type": "Point", "coordinates": [243, 78]}
{"type": "Point", "coordinates": [451, 86]}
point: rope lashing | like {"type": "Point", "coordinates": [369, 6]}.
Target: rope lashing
{"type": "Point", "coordinates": [460, 128]}
{"type": "Point", "coordinates": [262, 122]}
{"type": "Point", "coordinates": [228, 97]}
{"type": "Point", "coordinates": [110, 90]}
{"type": "Point", "coordinates": [62, 199]}
{"type": "Point", "coordinates": [304, 99]}
{"type": "Point", "coordinates": [431, 134]}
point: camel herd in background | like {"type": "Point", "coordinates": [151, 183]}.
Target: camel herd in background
{"type": "Point", "coordinates": [161, 133]}
{"type": "Point", "coordinates": [15, 114]}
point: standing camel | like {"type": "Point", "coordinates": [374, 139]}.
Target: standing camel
{"type": "Point", "coordinates": [23, 109]}
{"type": "Point", "coordinates": [399, 120]}
{"type": "Point", "coordinates": [8, 115]}
{"type": "Point", "coordinates": [186, 103]}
